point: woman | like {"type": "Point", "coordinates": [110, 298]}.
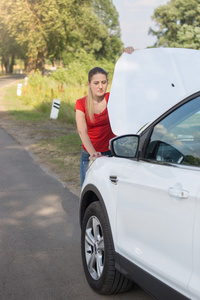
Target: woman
{"type": "Point", "coordinates": [92, 118]}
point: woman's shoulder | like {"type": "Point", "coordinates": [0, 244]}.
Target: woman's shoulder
{"type": "Point", "coordinates": [82, 100]}
{"type": "Point", "coordinates": [80, 103]}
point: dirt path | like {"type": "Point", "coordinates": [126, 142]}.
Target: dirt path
{"type": "Point", "coordinates": [28, 135]}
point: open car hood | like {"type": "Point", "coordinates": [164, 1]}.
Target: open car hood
{"type": "Point", "coordinates": [149, 82]}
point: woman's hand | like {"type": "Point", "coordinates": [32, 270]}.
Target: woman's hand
{"type": "Point", "coordinates": [95, 155]}
{"type": "Point", "coordinates": [128, 50]}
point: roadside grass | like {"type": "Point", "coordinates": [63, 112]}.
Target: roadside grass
{"type": "Point", "coordinates": [62, 155]}
{"type": "Point", "coordinates": [55, 143]}
{"type": "Point", "coordinates": [18, 108]}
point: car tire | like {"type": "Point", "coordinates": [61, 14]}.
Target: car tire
{"type": "Point", "coordinates": [98, 253]}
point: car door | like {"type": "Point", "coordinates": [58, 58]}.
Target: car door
{"type": "Point", "coordinates": [194, 286]}
{"type": "Point", "coordinates": [157, 198]}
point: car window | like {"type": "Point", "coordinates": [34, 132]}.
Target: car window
{"type": "Point", "coordinates": [176, 139]}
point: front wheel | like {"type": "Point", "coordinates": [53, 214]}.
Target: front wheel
{"type": "Point", "coordinates": [98, 253]}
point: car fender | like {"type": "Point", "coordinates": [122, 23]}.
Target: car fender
{"type": "Point", "coordinates": [98, 179]}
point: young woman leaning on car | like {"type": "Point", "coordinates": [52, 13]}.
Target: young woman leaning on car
{"type": "Point", "coordinates": [92, 118]}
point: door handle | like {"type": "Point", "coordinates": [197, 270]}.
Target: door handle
{"type": "Point", "coordinates": [114, 179]}
{"type": "Point", "coordinates": [178, 193]}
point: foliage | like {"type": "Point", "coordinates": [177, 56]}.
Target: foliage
{"type": "Point", "coordinates": [38, 94]}
{"type": "Point", "coordinates": [59, 29]}
{"type": "Point", "coordinates": [76, 72]}
{"type": "Point", "coordinates": [8, 48]}
{"type": "Point", "coordinates": [60, 75]}
{"type": "Point", "coordinates": [178, 24]}
{"type": "Point", "coordinates": [191, 160]}
{"type": "Point", "coordinates": [108, 15]}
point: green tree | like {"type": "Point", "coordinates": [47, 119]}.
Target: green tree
{"type": "Point", "coordinates": [96, 32]}
{"type": "Point", "coordinates": [9, 50]}
{"type": "Point", "coordinates": [178, 24]}
{"type": "Point", "coordinates": [58, 29]}
{"type": "Point", "coordinates": [69, 29]}
{"type": "Point", "coordinates": [22, 21]}
{"type": "Point", "coordinates": [109, 17]}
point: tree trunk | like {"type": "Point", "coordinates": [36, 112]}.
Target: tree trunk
{"type": "Point", "coordinates": [41, 62]}
{"type": "Point", "coordinates": [12, 63]}
{"type": "Point", "coordinates": [6, 63]}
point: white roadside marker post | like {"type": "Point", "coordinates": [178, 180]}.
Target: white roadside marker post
{"type": "Point", "coordinates": [55, 109]}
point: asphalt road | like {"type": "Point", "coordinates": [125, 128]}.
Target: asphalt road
{"type": "Point", "coordinates": [9, 79]}
{"type": "Point", "coordinates": [39, 233]}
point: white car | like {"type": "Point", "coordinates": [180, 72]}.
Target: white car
{"type": "Point", "coordinates": [140, 208]}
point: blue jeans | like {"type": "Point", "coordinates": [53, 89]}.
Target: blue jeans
{"type": "Point", "coordinates": [85, 161]}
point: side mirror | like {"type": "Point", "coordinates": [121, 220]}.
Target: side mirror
{"type": "Point", "coordinates": [125, 146]}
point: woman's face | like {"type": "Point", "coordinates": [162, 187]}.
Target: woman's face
{"type": "Point", "coordinates": [98, 85]}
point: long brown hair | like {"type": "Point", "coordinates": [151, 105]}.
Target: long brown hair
{"type": "Point", "coordinates": [89, 99]}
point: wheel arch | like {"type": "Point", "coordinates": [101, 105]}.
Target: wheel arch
{"type": "Point", "coordinates": [90, 194]}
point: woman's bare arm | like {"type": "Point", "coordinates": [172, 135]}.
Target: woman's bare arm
{"type": "Point", "coordinates": [82, 130]}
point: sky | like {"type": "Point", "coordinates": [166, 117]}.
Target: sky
{"type": "Point", "coordinates": [135, 21]}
